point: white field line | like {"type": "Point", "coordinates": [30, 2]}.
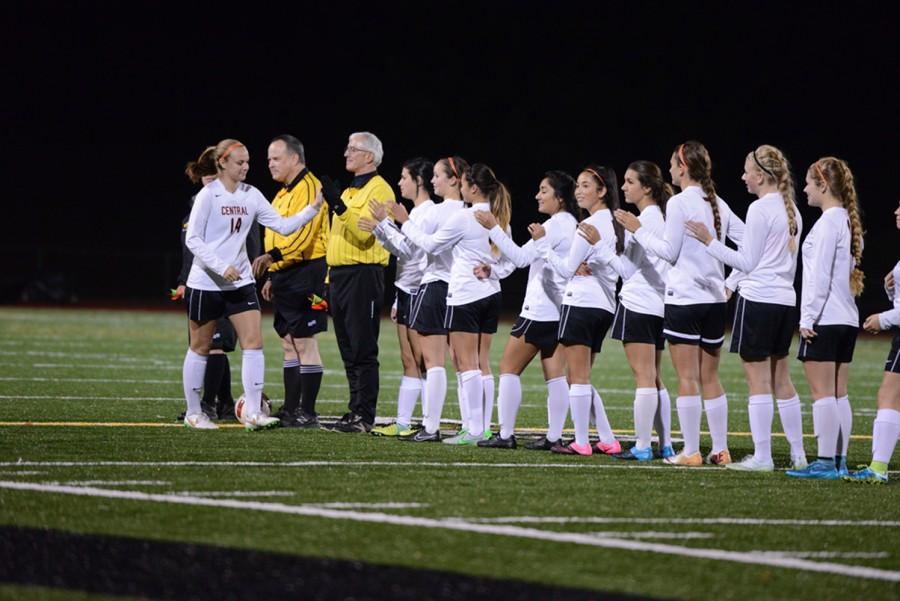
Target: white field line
{"type": "Point", "coordinates": [528, 519]}
{"type": "Point", "coordinates": [24, 473]}
{"type": "Point", "coordinates": [112, 483]}
{"type": "Point", "coordinates": [652, 534]}
{"type": "Point", "coordinates": [463, 526]}
{"type": "Point", "coordinates": [826, 554]}
{"type": "Point", "coordinates": [234, 493]}
{"type": "Point", "coordinates": [389, 505]}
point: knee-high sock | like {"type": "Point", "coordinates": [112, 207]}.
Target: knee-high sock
{"type": "Point", "coordinates": [604, 430]}
{"type": "Point", "coordinates": [192, 373]}
{"type": "Point", "coordinates": [508, 401]}
{"type": "Point", "coordinates": [463, 403]}
{"type": "Point", "coordinates": [689, 413]}
{"type": "Point", "coordinates": [792, 424]}
{"type": "Point", "coordinates": [717, 419]}
{"type": "Point", "coordinates": [406, 398]}
{"type": "Point", "coordinates": [662, 421]}
{"type": "Point", "coordinates": [253, 370]}
{"type": "Point", "coordinates": [826, 425]}
{"type": "Point", "coordinates": [845, 417]}
{"type": "Point", "coordinates": [487, 383]}
{"type": "Point", "coordinates": [473, 391]}
{"type": "Point", "coordinates": [292, 390]}
{"type": "Point", "coordinates": [224, 394]}
{"type": "Point", "coordinates": [884, 434]}
{"type": "Point", "coordinates": [424, 406]}
{"type": "Point", "coordinates": [761, 412]}
{"type": "Point", "coordinates": [557, 407]}
{"type": "Point", "coordinates": [310, 382]}
{"type": "Point", "coordinates": [580, 400]}
{"type": "Point", "coordinates": [212, 381]}
{"type": "Point", "coordinates": [646, 401]}
{"type": "Point", "coordinates": [436, 393]}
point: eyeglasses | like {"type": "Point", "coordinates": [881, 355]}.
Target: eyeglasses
{"type": "Point", "coordinates": [354, 149]}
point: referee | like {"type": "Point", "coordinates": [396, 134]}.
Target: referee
{"type": "Point", "coordinates": [356, 263]}
{"type": "Point", "coordinates": [296, 269]}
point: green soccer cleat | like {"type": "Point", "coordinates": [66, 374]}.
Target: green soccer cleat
{"type": "Point", "coordinates": [866, 475]}
{"type": "Point", "coordinates": [394, 429]}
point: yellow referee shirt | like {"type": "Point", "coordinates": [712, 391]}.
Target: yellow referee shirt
{"type": "Point", "coordinates": [310, 241]}
{"type": "Point", "coordinates": [349, 245]}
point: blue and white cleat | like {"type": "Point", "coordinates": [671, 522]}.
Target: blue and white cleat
{"type": "Point", "coordinates": [666, 452]}
{"type": "Point", "coordinates": [841, 463]}
{"type": "Point", "coordinates": [635, 454]}
{"type": "Point", "coordinates": [866, 475]}
{"type": "Point", "coordinates": [817, 470]}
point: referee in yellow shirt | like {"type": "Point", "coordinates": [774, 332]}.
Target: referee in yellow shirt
{"type": "Point", "coordinates": [356, 263]}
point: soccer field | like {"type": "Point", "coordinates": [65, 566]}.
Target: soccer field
{"type": "Point", "coordinates": [104, 495]}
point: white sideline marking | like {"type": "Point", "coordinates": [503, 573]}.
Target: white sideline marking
{"type": "Point", "coordinates": [113, 483]}
{"type": "Point", "coordinates": [15, 473]}
{"type": "Point", "coordinates": [368, 505]}
{"type": "Point", "coordinates": [234, 493]}
{"type": "Point", "coordinates": [652, 534]}
{"type": "Point", "coordinates": [463, 526]}
{"type": "Point", "coordinates": [529, 519]}
{"type": "Point", "coordinates": [826, 554]}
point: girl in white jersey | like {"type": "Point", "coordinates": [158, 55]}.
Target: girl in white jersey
{"type": "Point", "coordinates": [639, 314]}
{"type": "Point", "coordinates": [765, 314]}
{"type": "Point", "coordinates": [695, 309]}
{"type": "Point", "coordinates": [535, 331]}
{"type": "Point", "coordinates": [886, 428]}
{"type": "Point", "coordinates": [415, 185]}
{"type": "Point", "coordinates": [430, 307]}
{"type": "Point", "coordinates": [473, 296]}
{"type": "Point", "coordinates": [587, 311]}
{"type": "Point", "coordinates": [221, 283]}
{"type": "Point", "coordinates": [829, 319]}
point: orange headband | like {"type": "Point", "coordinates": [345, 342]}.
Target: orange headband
{"type": "Point", "coordinates": [681, 155]}
{"type": "Point", "coordinates": [453, 167]}
{"type": "Point", "coordinates": [229, 149]}
{"type": "Point", "coordinates": [597, 175]}
{"type": "Point", "coordinates": [821, 173]}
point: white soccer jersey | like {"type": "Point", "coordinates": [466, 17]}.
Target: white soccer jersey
{"type": "Point", "coordinates": [643, 275]}
{"type": "Point", "coordinates": [543, 294]}
{"type": "Point", "coordinates": [764, 257]}
{"type": "Point", "coordinates": [891, 319]}
{"type": "Point", "coordinates": [411, 260]}
{"type": "Point", "coordinates": [598, 290]}
{"type": "Point", "coordinates": [826, 298]}
{"type": "Point", "coordinates": [438, 265]}
{"type": "Point", "coordinates": [468, 241]}
{"type": "Point", "coordinates": [695, 277]}
{"type": "Point", "coordinates": [217, 232]}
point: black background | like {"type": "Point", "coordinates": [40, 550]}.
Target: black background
{"type": "Point", "coordinates": [104, 103]}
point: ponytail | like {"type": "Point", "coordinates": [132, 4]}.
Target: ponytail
{"type": "Point", "coordinates": [204, 166]}
{"type": "Point", "coordinates": [777, 170]}
{"type": "Point", "coordinates": [605, 177]}
{"type": "Point", "coordinates": [650, 176]}
{"type": "Point", "coordinates": [497, 194]}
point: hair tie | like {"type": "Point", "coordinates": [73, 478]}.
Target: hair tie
{"type": "Point", "coordinates": [821, 173]}
{"type": "Point", "coordinates": [453, 167]}
{"type": "Point", "coordinates": [760, 165]}
{"type": "Point", "coordinates": [229, 149]}
{"type": "Point", "coordinates": [597, 175]}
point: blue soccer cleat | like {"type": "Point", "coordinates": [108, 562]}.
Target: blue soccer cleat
{"type": "Point", "coordinates": [866, 475]}
{"type": "Point", "coordinates": [820, 469]}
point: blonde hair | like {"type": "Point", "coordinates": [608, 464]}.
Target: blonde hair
{"type": "Point", "coordinates": [223, 149]}
{"type": "Point", "coordinates": [695, 158]}
{"type": "Point", "coordinates": [775, 167]}
{"type": "Point", "coordinates": [483, 176]}
{"type": "Point", "coordinates": [835, 175]}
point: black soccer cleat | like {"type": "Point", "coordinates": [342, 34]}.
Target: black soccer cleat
{"type": "Point", "coordinates": [498, 442]}
{"type": "Point", "coordinates": [422, 435]}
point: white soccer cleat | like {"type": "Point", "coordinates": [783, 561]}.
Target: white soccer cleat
{"type": "Point", "coordinates": [260, 421]}
{"type": "Point", "coordinates": [751, 464]}
{"type": "Point", "coordinates": [199, 421]}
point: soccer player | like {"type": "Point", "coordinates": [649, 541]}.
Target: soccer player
{"type": "Point", "coordinates": [221, 283]}
{"type": "Point", "coordinates": [829, 319]}
{"type": "Point", "coordinates": [886, 428]}
{"type": "Point", "coordinates": [695, 308]}
{"type": "Point", "coordinates": [764, 313]}
{"type": "Point", "coordinates": [535, 330]}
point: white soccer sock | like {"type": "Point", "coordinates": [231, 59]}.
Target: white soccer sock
{"type": "Point", "coordinates": [253, 371]}
{"type": "Point", "coordinates": [580, 400]}
{"type": "Point", "coordinates": [508, 401]}
{"type": "Point", "coordinates": [192, 372]}
{"type": "Point", "coordinates": [717, 419]}
{"type": "Point", "coordinates": [689, 412]}
{"type": "Point", "coordinates": [424, 398]}
{"type": "Point", "coordinates": [406, 399]}
{"type": "Point", "coordinates": [436, 393]}
{"type": "Point", "coordinates": [646, 401]}
{"type": "Point", "coordinates": [845, 416]}
{"type": "Point", "coordinates": [463, 404]}
{"type": "Point", "coordinates": [473, 392]}
{"type": "Point", "coordinates": [884, 434]}
{"type": "Point", "coordinates": [604, 430]}
{"type": "Point", "coordinates": [792, 424]}
{"type": "Point", "coordinates": [487, 382]}
{"type": "Point", "coordinates": [826, 425]}
{"type": "Point", "coordinates": [663, 418]}
{"type": "Point", "coordinates": [557, 407]}
{"type": "Point", "coordinates": [762, 411]}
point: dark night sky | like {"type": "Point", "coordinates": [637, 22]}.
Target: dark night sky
{"type": "Point", "coordinates": [105, 102]}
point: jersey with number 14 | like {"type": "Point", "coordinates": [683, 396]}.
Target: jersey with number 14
{"type": "Point", "coordinates": [217, 232]}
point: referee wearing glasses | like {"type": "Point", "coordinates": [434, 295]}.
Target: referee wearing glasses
{"type": "Point", "coordinates": [356, 263]}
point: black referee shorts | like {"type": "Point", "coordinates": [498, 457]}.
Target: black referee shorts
{"type": "Point", "coordinates": [207, 305]}
{"type": "Point", "coordinates": [293, 289]}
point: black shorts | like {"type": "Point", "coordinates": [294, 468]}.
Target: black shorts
{"type": "Point", "coordinates": [893, 360]}
{"type": "Point", "coordinates": [430, 309]}
{"type": "Point", "coordinates": [405, 302]}
{"type": "Point", "coordinates": [207, 305]}
{"type": "Point", "coordinates": [586, 326]}
{"type": "Point", "coordinates": [762, 330]}
{"type": "Point", "coordinates": [702, 324]}
{"type": "Point", "coordinates": [293, 289]}
{"type": "Point", "coordinates": [832, 344]}
{"type": "Point", "coordinates": [478, 317]}
{"type": "Point", "coordinates": [631, 326]}
{"type": "Point", "coordinates": [225, 337]}
{"type": "Point", "coordinates": [542, 334]}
